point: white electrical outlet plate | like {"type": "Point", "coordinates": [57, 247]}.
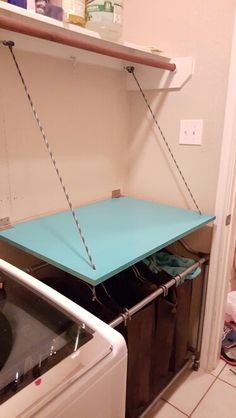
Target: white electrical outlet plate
{"type": "Point", "coordinates": [191, 132]}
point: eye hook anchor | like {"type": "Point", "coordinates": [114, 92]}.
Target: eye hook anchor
{"type": "Point", "coordinates": [10, 44]}
{"type": "Point", "coordinates": [130, 69]}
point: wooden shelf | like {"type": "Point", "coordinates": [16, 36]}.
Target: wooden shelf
{"type": "Point", "coordinates": [28, 23]}
{"type": "Point", "coordinates": [29, 31]}
{"type": "Point", "coordinates": [119, 232]}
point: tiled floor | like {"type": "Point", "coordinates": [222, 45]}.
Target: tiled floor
{"type": "Point", "coordinates": [200, 395]}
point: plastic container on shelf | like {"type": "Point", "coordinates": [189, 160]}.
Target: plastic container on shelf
{"type": "Point", "coordinates": [74, 11]}
{"type": "Point", "coordinates": [105, 17]}
{"type": "Point", "coordinates": [19, 3]}
{"type": "Point", "coordinates": [50, 8]}
{"type": "Point", "coordinates": [25, 4]}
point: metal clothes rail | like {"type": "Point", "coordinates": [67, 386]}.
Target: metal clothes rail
{"type": "Point", "coordinates": [128, 313]}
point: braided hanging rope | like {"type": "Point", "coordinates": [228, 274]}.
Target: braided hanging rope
{"type": "Point", "coordinates": [10, 45]}
{"type": "Point", "coordinates": [130, 70]}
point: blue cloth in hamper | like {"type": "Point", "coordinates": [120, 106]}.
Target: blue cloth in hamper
{"type": "Point", "coordinates": [171, 264]}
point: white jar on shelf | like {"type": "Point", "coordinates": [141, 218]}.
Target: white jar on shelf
{"type": "Point", "coordinates": [105, 17]}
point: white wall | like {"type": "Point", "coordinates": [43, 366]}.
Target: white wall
{"type": "Point", "coordinates": [202, 29]}
{"type": "Point", "coordinates": [84, 112]}
{"type": "Point", "coordinates": [87, 118]}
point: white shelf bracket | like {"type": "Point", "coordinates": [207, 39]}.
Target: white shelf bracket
{"type": "Point", "coordinates": [156, 79]}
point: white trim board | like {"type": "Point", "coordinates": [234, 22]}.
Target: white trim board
{"type": "Point", "coordinates": [224, 236]}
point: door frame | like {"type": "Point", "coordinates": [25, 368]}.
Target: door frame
{"type": "Point", "coordinates": [224, 236]}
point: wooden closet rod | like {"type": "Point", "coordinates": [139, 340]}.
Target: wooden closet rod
{"type": "Point", "coordinates": [93, 45]}
{"type": "Point", "coordinates": [175, 281]}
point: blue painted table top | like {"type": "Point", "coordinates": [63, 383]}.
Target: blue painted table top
{"type": "Point", "coordinates": [118, 232]}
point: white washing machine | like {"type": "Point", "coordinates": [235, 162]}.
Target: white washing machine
{"type": "Point", "coordinates": [56, 359]}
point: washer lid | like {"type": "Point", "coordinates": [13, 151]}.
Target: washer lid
{"type": "Point", "coordinates": [45, 346]}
